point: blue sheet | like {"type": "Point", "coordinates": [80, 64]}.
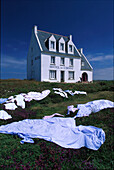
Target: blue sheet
{"type": "Point", "coordinates": [3, 100]}
{"type": "Point", "coordinates": [61, 131]}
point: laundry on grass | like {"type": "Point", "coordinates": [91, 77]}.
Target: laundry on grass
{"type": "Point", "coordinates": [61, 131]}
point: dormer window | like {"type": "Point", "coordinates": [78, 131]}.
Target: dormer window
{"type": "Point", "coordinates": [70, 48]}
{"type": "Point", "coordinates": [61, 45]}
{"type": "Point", "coordinates": [52, 44]}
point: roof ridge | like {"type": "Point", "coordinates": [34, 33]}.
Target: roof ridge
{"type": "Point", "coordinates": [53, 33]}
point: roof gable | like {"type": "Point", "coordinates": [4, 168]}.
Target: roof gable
{"type": "Point", "coordinates": [86, 65]}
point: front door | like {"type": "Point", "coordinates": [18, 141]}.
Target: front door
{"type": "Point", "coordinates": [84, 77]}
{"type": "Point", "coordinates": [62, 76]}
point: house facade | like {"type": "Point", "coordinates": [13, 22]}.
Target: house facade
{"type": "Point", "coordinates": [55, 58]}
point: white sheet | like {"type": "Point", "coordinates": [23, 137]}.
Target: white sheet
{"type": "Point", "coordinates": [61, 131]}
{"type": "Point", "coordinates": [93, 106]}
{"type": "Point", "coordinates": [10, 106]}
{"type": "Point", "coordinates": [4, 115]}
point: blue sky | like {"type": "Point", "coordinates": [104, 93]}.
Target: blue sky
{"type": "Point", "coordinates": [89, 21]}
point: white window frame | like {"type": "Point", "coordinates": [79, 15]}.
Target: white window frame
{"type": "Point", "coordinates": [71, 77]}
{"type": "Point", "coordinates": [52, 61]}
{"type": "Point", "coordinates": [52, 74]}
{"type": "Point", "coordinates": [62, 62]}
{"type": "Point", "coordinates": [71, 63]}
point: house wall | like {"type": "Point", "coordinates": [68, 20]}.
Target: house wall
{"type": "Point", "coordinates": [89, 73]}
{"type": "Point", "coordinates": [46, 66]}
{"type": "Point", "coordinates": [34, 56]}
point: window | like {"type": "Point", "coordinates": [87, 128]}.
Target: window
{"type": "Point", "coordinates": [71, 62]}
{"type": "Point", "coordinates": [82, 63]}
{"type": "Point", "coordinates": [71, 75]}
{"type": "Point", "coordinates": [31, 62]}
{"type": "Point", "coordinates": [52, 74]}
{"type": "Point", "coordinates": [70, 48]}
{"type": "Point", "coordinates": [52, 44]}
{"type": "Point", "coordinates": [62, 61]}
{"type": "Point", "coordinates": [52, 60]}
{"type": "Point", "coordinates": [31, 49]}
{"type": "Point", "coordinates": [62, 46]}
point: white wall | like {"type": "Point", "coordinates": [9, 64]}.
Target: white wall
{"type": "Point", "coordinates": [46, 66]}
{"type": "Point", "coordinates": [33, 71]}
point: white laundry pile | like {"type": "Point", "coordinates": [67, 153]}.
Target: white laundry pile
{"type": "Point", "coordinates": [10, 106]}
{"type": "Point", "coordinates": [20, 99]}
{"type": "Point", "coordinates": [4, 115]}
{"type": "Point", "coordinates": [50, 116]}
{"type": "Point", "coordinates": [75, 92]}
{"type": "Point", "coordinates": [36, 95]}
{"type": "Point", "coordinates": [88, 108]}
{"type": "Point", "coordinates": [60, 92]}
{"type": "Point", "coordinates": [61, 131]}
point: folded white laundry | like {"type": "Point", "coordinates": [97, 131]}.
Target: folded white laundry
{"type": "Point", "coordinates": [20, 101]}
{"type": "Point", "coordinates": [50, 116]}
{"type": "Point", "coordinates": [11, 97]}
{"type": "Point", "coordinates": [80, 92]}
{"type": "Point", "coordinates": [4, 115]}
{"type": "Point", "coordinates": [76, 92]}
{"type": "Point", "coordinates": [71, 109]}
{"type": "Point", "coordinates": [60, 92]}
{"type": "Point", "coordinates": [10, 106]}
{"type": "Point", "coordinates": [36, 95]}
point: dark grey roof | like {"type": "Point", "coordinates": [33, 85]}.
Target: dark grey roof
{"type": "Point", "coordinates": [86, 64]}
{"type": "Point", "coordinates": [43, 37]}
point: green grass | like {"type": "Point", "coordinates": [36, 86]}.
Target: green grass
{"type": "Point", "coordinates": [47, 155]}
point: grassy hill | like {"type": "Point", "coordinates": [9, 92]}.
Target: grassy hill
{"type": "Point", "coordinates": [46, 155]}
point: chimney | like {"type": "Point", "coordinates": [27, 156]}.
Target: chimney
{"type": "Point", "coordinates": [71, 37]}
{"type": "Point", "coordinates": [35, 29]}
{"type": "Point", "coordinates": [81, 50]}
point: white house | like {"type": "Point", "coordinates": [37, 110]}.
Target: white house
{"type": "Point", "coordinates": [55, 58]}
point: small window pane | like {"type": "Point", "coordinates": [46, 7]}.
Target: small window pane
{"type": "Point", "coordinates": [52, 44]}
{"type": "Point", "coordinates": [52, 74]}
{"type": "Point", "coordinates": [82, 63]}
{"type": "Point", "coordinates": [52, 60]}
{"type": "Point", "coordinates": [71, 74]}
{"type": "Point", "coordinates": [61, 46]}
{"type": "Point", "coordinates": [70, 48]}
{"type": "Point", "coordinates": [71, 62]}
{"type": "Point", "coordinates": [31, 62]}
{"type": "Point", "coordinates": [62, 61]}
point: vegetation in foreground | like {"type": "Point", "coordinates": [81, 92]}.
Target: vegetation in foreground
{"type": "Point", "coordinates": [46, 155]}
